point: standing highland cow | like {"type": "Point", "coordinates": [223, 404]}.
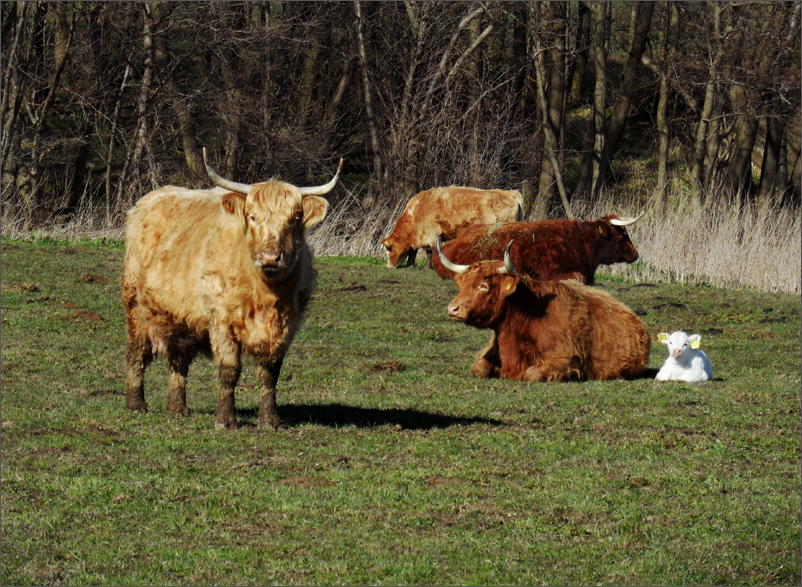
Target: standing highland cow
{"type": "Point", "coordinates": [224, 270]}
{"type": "Point", "coordinates": [445, 213]}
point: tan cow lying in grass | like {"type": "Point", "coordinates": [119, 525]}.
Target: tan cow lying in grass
{"type": "Point", "coordinates": [546, 330]}
{"type": "Point", "coordinates": [446, 212]}
{"type": "Point", "coordinates": [224, 270]}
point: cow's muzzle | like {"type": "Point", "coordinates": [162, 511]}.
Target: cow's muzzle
{"type": "Point", "coordinates": [271, 260]}
{"type": "Point", "coordinates": [456, 312]}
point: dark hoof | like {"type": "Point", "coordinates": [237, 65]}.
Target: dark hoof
{"type": "Point", "coordinates": [272, 421]}
{"type": "Point", "coordinates": [140, 407]}
{"type": "Point", "coordinates": [178, 410]}
{"type": "Point", "coordinates": [228, 425]}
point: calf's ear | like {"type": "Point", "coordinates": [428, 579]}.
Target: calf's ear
{"type": "Point", "coordinates": [695, 340]}
{"type": "Point", "coordinates": [663, 337]}
{"type": "Point", "coordinates": [315, 209]}
{"type": "Point", "coordinates": [234, 204]}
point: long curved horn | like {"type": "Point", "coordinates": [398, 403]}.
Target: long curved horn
{"type": "Point", "coordinates": [508, 268]}
{"type": "Point", "coordinates": [322, 189]}
{"type": "Point", "coordinates": [625, 221]}
{"type": "Point", "coordinates": [242, 188]}
{"type": "Point", "coordinates": [448, 264]}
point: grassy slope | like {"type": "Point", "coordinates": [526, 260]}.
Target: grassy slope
{"type": "Point", "coordinates": [394, 465]}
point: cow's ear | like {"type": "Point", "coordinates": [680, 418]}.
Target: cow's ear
{"type": "Point", "coordinates": [234, 204]}
{"type": "Point", "coordinates": [315, 209]}
{"type": "Point", "coordinates": [695, 340]}
{"type": "Point", "coordinates": [507, 284]}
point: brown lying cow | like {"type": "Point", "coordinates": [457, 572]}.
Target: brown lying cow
{"type": "Point", "coordinates": [446, 212]}
{"type": "Point", "coordinates": [225, 270]}
{"type": "Point", "coordinates": [546, 250]}
{"type": "Point", "coordinates": [546, 330]}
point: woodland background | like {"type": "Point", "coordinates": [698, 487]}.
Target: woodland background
{"type": "Point", "coordinates": [652, 104]}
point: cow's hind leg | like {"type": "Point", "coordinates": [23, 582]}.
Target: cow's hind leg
{"type": "Point", "coordinates": [267, 373]}
{"type": "Point", "coordinates": [556, 369]}
{"type": "Point", "coordinates": [178, 361]}
{"type": "Point", "coordinates": [137, 357]}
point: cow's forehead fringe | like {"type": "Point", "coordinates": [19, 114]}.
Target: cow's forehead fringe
{"type": "Point", "coordinates": [275, 197]}
{"type": "Point", "coordinates": [484, 269]}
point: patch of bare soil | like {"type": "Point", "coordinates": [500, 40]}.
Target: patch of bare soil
{"type": "Point", "coordinates": [85, 316]}
{"type": "Point", "coordinates": [387, 366]}
{"type": "Point", "coordinates": [18, 287]}
{"type": "Point", "coordinates": [93, 278]}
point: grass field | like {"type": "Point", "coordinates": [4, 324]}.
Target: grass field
{"type": "Point", "coordinates": [393, 464]}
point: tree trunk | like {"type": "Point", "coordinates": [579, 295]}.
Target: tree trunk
{"type": "Point", "coordinates": [698, 170]}
{"type": "Point", "coordinates": [581, 49]}
{"type": "Point", "coordinates": [333, 107]}
{"type": "Point", "coordinates": [641, 21]}
{"type": "Point", "coordinates": [548, 130]}
{"type": "Point", "coordinates": [13, 91]}
{"type": "Point", "coordinates": [125, 187]}
{"type": "Point", "coordinates": [110, 204]}
{"type": "Point", "coordinates": [40, 112]}
{"type": "Point", "coordinates": [771, 160]}
{"type": "Point", "coordinates": [552, 107]}
{"type": "Point", "coordinates": [669, 50]}
{"type": "Point", "coordinates": [182, 109]}
{"type": "Point", "coordinates": [738, 177]}
{"type": "Point", "coordinates": [378, 172]}
{"type": "Point", "coordinates": [600, 95]}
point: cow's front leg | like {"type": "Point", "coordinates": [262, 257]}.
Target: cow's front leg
{"type": "Point", "coordinates": [488, 361]}
{"type": "Point", "coordinates": [410, 259]}
{"type": "Point", "coordinates": [178, 363]}
{"type": "Point", "coordinates": [137, 356]}
{"type": "Point", "coordinates": [224, 415]}
{"type": "Point", "coordinates": [227, 356]}
{"type": "Point", "coordinates": [267, 373]}
{"type": "Point", "coordinates": [428, 251]}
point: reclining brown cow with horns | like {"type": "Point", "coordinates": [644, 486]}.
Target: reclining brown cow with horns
{"type": "Point", "coordinates": [546, 330]}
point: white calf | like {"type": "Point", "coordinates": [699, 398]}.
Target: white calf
{"type": "Point", "coordinates": [685, 362]}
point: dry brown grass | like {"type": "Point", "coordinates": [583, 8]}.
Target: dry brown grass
{"type": "Point", "coordinates": [758, 247]}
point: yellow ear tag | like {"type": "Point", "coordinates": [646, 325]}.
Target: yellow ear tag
{"type": "Point", "coordinates": [694, 344]}
{"type": "Point", "coordinates": [508, 287]}
{"type": "Point", "coordinates": [601, 231]}
{"type": "Point", "coordinates": [662, 336]}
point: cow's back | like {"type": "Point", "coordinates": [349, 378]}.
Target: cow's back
{"type": "Point", "coordinates": [167, 236]}
{"type": "Point", "coordinates": [449, 211]}
{"type": "Point", "coordinates": [544, 250]}
{"type": "Point", "coordinates": [620, 344]}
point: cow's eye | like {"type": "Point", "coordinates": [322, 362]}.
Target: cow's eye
{"type": "Point", "coordinates": [252, 218]}
{"type": "Point", "coordinates": [483, 286]}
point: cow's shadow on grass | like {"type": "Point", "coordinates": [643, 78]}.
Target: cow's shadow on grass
{"type": "Point", "coordinates": [339, 415]}
{"type": "Point", "coordinates": [647, 373]}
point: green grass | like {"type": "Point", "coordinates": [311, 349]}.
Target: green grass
{"type": "Point", "coordinates": [393, 465]}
